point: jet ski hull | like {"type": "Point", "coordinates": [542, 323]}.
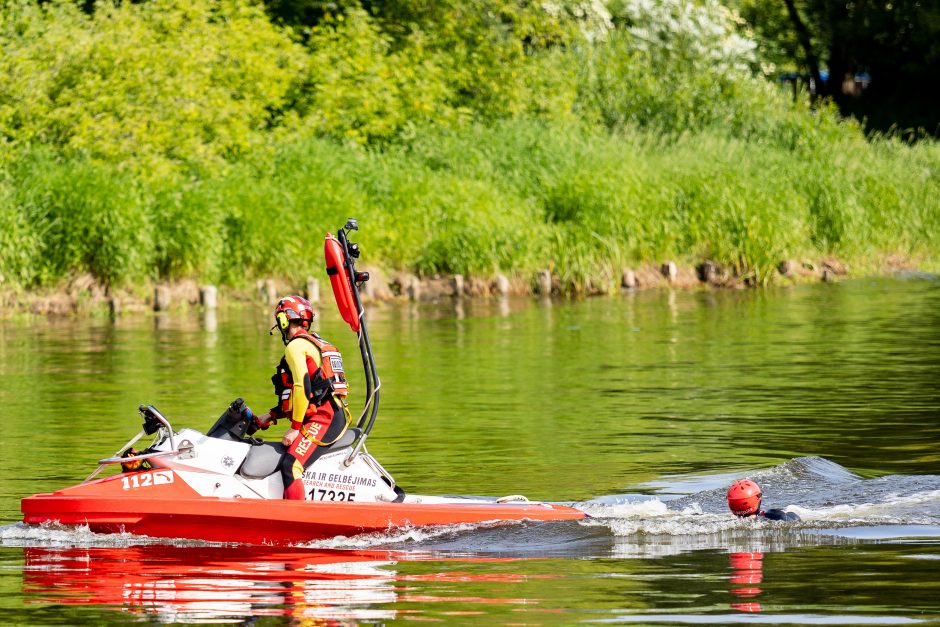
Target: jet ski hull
{"type": "Point", "coordinates": [173, 510]}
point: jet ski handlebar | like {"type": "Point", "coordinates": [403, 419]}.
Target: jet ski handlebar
{"type": "Point", "coordinates": [183, 450]}
{"type": "Point", "coordinates": [153, 422]}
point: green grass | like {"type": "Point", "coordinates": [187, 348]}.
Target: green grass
{"type": "Point", "coordinates": [513, 197]}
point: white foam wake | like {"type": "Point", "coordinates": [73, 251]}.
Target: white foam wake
{"type": "Point", "coordinates": [913, 509]}
{"type": "Point", "coordinates": [400, 536]}
{"type": "Point", "coordinates": [646, 526]}
{"type": "Point", "coordinates": [57, 535]}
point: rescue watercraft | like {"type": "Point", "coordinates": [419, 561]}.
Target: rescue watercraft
{"type": "Point", "coordinates": [224, 485]}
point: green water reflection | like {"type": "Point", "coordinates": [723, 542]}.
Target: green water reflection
{"type": "Point", "coordinates": [561, 402]}
{"type": "Point", "coordinates": [187, 585]}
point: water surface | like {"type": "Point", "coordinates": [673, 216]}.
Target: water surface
{"type": "Point", "coordinates": [641, 409]}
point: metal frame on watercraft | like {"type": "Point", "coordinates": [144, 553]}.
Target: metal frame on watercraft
{"type": "Point", "coordinates": [377, 468]}
{"type": "Point", "coordinates": [150, 414]}
{"type": "Point", "coordinates": [371, 407]}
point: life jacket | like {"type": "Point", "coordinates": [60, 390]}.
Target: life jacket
{"type": "Point", "coordinates": [326, 381]}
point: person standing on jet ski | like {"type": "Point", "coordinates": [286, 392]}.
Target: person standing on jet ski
{"type": "Point", "coordinates": [744, 498]}
{"type": "Point", "coordinates": [311, 389]}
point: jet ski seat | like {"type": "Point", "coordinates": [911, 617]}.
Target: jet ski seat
{"type": "Point", "coordinates": [264, 458]}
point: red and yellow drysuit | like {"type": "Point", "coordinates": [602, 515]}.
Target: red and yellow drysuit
{"type": "Point", "coordinates": [311, 388]}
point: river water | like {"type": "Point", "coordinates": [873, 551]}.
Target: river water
{"type": "Point", "coordinates": [640, 409]}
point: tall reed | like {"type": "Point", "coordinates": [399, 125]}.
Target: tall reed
{"type": "Point", "coordinates": [513, 197]}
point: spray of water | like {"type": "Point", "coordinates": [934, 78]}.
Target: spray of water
{"type": "Point", "coordinates": [683, 514]}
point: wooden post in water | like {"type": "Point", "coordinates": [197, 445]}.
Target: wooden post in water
{"type": "Point", "coordinates": [628, 279]}
{"type": "Point", "coordinates": [707, 271]}
{"type": "Point", "coordinates": [313, 290]}
{"type": "Point", "coordinates": [413, 288]}
{"type": "Point", "coordinates": [502, 285]}
{"type": "Point", "coordinates": [208, 296]}
{"type": "Point", "coordinates": [458, 285]}
{"type": "Point", "coordinates": [269, 292]}
{"type": "Point", "coordinates": [670, 271]}
{"type": "Point", "coordinates": [161, 298]}
{"type": "Point", "coordinates": [545, 282]}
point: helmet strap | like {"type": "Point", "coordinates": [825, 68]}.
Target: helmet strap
{"type": "Point", "coordinates": [285, 330]}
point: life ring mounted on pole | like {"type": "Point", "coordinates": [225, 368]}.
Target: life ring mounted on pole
{"type": "Point", "coordinates": [341, 255]}
{"type": "Point", "coordinates": [338, 269]}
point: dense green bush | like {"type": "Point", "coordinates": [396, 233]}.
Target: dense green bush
{"type": "Point", "coordinates": [147, 86]}
{"type": "Point", "coordinates": [488, 52]}
{"type": "Point", "coordinates": [359, 90]}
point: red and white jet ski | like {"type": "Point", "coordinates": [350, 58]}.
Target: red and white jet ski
{"type": "Point", "coordinates": [224, 486]}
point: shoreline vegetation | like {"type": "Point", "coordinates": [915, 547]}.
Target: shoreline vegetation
{"type": "Point", "coordinates": [581, 142]}
{"type": "Point", "coordinates": [84, 295]}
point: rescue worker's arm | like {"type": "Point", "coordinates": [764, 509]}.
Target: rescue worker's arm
{"type": "Point", "coordinates": [264, 420]}
{"type": "Point", "coordinates": [779, 514]}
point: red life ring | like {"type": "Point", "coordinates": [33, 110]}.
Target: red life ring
{"type": "Point", "coordinates": [339, 281]}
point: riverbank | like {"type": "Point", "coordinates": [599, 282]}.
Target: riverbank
{"type": "Point", "coordinates": [514, 198]}
{"type": "Point", "coordinates": [82, 295]}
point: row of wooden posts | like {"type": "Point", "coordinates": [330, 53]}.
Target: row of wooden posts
{"type": "Point", "coordinates": [411, 288]}
{"type": "Point", "coordinates": [209, 294]}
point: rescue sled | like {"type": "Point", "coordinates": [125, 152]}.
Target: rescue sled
{"type": "Point", "coordinates": [224, 485]}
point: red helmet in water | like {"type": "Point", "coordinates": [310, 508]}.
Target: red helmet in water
{"type": "Point", "coordinates": [289, 309]}
{"type": "Point", "coordinates": [744, 497]}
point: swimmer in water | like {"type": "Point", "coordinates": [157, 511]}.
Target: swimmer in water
{"type": "Point", "coordinates": [744, 501]}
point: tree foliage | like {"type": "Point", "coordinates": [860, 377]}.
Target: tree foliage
{"type": "Point", "coordinates": [897, 43]}
{"type": "Point", "coordinates": [151, 84]}
{"type": "Point", "coordinates": [359, 89]}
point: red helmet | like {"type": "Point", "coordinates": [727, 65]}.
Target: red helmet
{"type": "Point", "coordinates": [744, 497]}
{"type": "Point", "coordinates": [292, 308]}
